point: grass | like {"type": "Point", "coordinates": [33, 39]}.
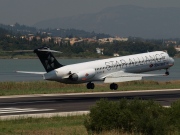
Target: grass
{"type": "Point", "coordinates": [72, 125]}
{"type": "Point", "coordinates": [47, 87]}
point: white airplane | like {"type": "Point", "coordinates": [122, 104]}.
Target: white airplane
{"type": "Point", "coordinates": [112, 70]}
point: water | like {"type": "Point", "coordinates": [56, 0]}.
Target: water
{"type": "Point", "coordinates": [8, 68]}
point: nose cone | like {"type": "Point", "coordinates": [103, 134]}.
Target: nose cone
{"type": "Point", "coordinates": [171, 61]}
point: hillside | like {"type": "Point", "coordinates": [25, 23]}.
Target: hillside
{"type": "Point", "coordinates": [25, 30]}
{"type": "Point", "coordinates": [124, 20]}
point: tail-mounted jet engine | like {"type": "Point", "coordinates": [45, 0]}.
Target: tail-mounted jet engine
{"type": "Point", "coordinates": [82, 75]}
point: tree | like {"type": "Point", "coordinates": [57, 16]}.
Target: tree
{"type": "Point", "coordinates": [171, 51]}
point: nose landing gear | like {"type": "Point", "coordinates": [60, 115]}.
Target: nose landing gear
{"type": "Point", "coordinates": [167, 72]}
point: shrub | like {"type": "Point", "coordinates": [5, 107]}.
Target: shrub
{"type": "Point", "coordinates": [132, 116]}
{"type": "Point", "coordinates": [174, 115]}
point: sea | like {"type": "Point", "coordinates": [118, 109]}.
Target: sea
{"type": "Point", "coordinates": [8, 68]}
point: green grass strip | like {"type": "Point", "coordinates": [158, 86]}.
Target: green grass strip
{"type": "Point", "coordinates": [44, 126]}
{"type": "Point", "coordinates": [48, 87]}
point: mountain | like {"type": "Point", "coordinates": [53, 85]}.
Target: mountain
{"type": "Point", "coordinates": [17, 28]}
{"type": "Point", "coordinates": [25, 30]}
{"type": "Point", "coordinates": [123, 20]}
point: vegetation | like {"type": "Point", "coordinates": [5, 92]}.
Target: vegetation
{"type": "Point", "coordinates": [127, 48]}
{"type": "Point", "coordinates": [44, 126]}
{"type": "Point", "coordinates": [83, 49]}
{"type": "Point", "coordinates": [47, 87]}
{"type": "Point", "coordinates": [18, 37]}
{"type": "Point", "coordinates": [133, 117]}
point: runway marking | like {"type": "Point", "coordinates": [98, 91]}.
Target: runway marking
{"type": "Point", "coordinates": [19, 110]}
{"type": "Point", "coordinates": [27, 102]}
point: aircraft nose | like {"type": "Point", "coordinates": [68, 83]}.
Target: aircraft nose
{"type": "Point", "coordinates": [171, 61]}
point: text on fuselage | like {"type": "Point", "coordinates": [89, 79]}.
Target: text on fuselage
{"type": "Point", "coordinates": [136, 61]}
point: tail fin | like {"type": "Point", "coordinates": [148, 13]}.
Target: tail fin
{"type": "Point", "coordinates": [47, 59]}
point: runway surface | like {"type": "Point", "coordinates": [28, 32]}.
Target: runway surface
{"type": "Point", "coordinates": [55, 103]}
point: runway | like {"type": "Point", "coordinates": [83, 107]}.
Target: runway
{"type": "Point", "coordinates": [37, 105]}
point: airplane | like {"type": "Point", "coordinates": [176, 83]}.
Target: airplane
{"type": "Point", "coordinates": [111, 70]}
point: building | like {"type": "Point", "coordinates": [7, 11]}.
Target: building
{"type": "Point", "coordinates": [100, 50]}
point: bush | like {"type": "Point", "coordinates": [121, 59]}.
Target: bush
{"type": "Point", "coordinates": [131, 116]}
{"type": "Point", "coordinates": [149, 117]}
{"type": "Point", "coordinates": [174, 115]}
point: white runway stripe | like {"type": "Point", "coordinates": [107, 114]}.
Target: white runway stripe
{"type": "Point", "coordinates": [18, 110]}
{"type": "Point", "coordinates": [27, 102]}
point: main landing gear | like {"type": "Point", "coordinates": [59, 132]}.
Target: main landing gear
{"type": "Point", "coordinates": [167, 72]}
{"type": "Point", "coordinates": [90, 85]}
{"type": "Point", "coordinates": [113, 86]}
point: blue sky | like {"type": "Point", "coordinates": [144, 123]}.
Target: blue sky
{"type": "Point", "coordinates": [31, 11]}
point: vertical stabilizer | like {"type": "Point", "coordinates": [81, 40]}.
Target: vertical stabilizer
{"type": "Point", "coordinates": [47, 59]}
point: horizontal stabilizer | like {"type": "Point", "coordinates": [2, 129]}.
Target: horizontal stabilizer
{"type": "Point", "coordinates": [48, 50]}
{"type": "Point", "coordinates": [27, 72]}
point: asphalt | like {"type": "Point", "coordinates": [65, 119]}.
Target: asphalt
{"type": "Point", "coordinates": [75, 102]}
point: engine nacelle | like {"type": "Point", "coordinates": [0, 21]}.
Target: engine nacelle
{"type": "Point", "coordinates": [82, 75]}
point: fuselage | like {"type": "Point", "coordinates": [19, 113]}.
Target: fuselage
{"type": "Point", "coordinates": [97, 70]}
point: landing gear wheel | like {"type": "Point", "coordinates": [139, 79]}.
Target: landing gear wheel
{"type": "Point", "coordinates": [113, 86]}
{"type": "Point", "coordinates": [90, 85]}
{"type": "Point", "coordinates": [167, 72]}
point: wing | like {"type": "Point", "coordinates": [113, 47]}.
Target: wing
{"type": "Point", "coordinates": [27, 72]}
{"type": "Point", "coordinates": [122, 76]}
